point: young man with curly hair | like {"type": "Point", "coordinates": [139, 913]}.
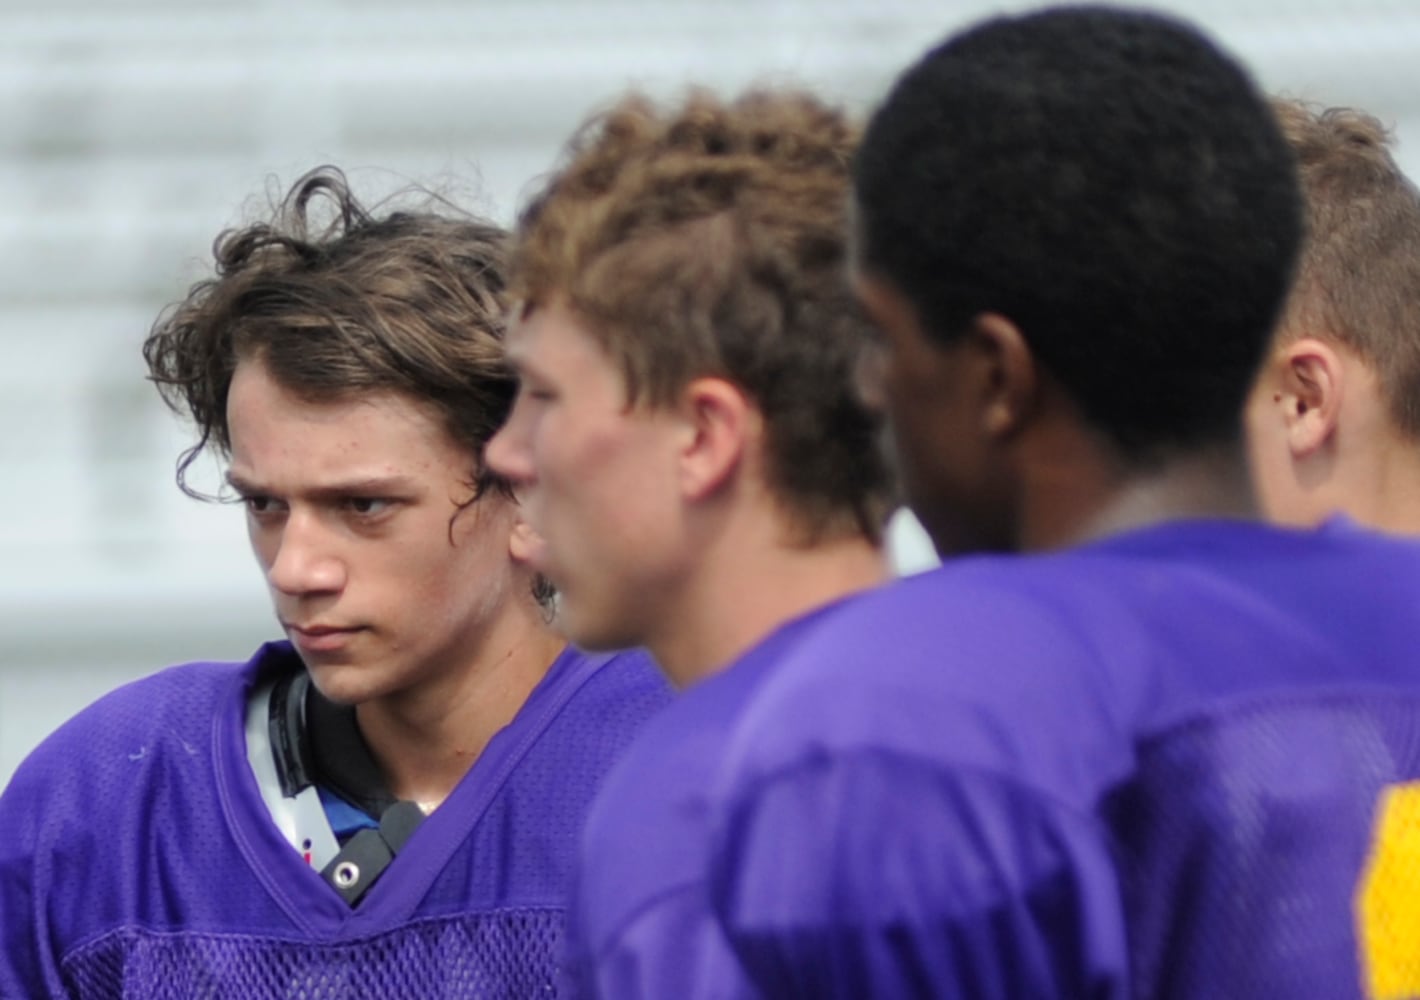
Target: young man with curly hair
{"type": "Point", "coordinates": [1152, 746]}
{"type": "Point", "coordinates": [687, 442]}
{"type": "Point", "coordinates": [384, 804]}
{"type": "Point", "coordinates": [1334, 421]}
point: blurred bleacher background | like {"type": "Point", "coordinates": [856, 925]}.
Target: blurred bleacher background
{"type": "Point", "coordinates": [132, 131]}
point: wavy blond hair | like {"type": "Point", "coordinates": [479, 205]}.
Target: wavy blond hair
{"type": "Point", "coordinates": [709, 239]}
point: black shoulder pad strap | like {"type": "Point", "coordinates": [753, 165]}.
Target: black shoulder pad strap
{"type": "Point", "coordinates": [287, 727]}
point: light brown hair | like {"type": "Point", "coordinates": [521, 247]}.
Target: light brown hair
{"type": "Point", "coordinates": [406, 302]}
{"type": "Point", "coordinates": [710, 240]}
{"type": "Point", "coordinates": [1358, 281]}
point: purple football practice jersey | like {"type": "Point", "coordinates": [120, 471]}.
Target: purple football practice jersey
{"type": "Point", "coordinates": [641, 923]}
{"type": "Point", "coordinates": [1180, 762]}
{"type": "Point", "coordinates": [138, 858]}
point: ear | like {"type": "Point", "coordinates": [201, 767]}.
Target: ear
{"type": "Point", "coordinates": [1307, 386]}
{"type": "Point", "coordinates": [1009, 377]}
{"type": "Point", "coordinates": [523, 541]}
{"type": "Point", "coordinates": [720, 422]}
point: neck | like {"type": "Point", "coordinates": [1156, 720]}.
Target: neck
{"type": "Point", "coordinates": [746, 587]}
{"type": "Point", "coordinates": [1380, 487]}
{"type": "Point", "coordinates": [1089, 494]}
{"type": "Point", "coordinates": [426, 739]}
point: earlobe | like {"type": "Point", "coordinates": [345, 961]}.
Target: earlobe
{"type": "Point", "coordinates": [1011, 377]}
{"type": "Point", "coordinates": [523, 541]}
{"type": "Point", "coordinates": [1309, 392]}
{"type": "Point", "coordinates": [718, 419]}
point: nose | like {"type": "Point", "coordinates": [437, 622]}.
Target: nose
{"type": "Point", "coordinates": [303, 560]}
{"type": "Point", "coordinates": [507, 452]}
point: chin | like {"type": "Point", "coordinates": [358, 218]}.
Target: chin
{"type": "Point", "coordinates": [344, 685]}
{"type": "Point", "coordinates": [589, 632]}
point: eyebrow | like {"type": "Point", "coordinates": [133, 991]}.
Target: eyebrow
{"type": "Point", "coordinates": [363, 486]}
{"type": "Point", "coordinates": [515, 351]}
{"type": "Point", "coordinates": [516, 359]}
{"type": "Point", "coordinates": [528, 370]}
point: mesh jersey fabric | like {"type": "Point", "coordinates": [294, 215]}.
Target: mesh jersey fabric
{"type": "Point", "coordinates": [138, 859]}
{"type": "Point", "coordinates": [641, 924]}
{"type": "Point", "coordinates": [1180, 762]}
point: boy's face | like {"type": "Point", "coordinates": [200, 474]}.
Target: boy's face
{"type": "Point", "coordinates": [351, 508]}
{"type": "Point", "coordinates": [926, 392]}
{"type": "Point", "coordinates": [597, 480]}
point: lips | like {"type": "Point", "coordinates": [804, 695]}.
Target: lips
{"type": "Point", "coordinates": [320, 638]}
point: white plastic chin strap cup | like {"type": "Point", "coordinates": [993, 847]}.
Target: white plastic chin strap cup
{"type": "Point", "coordinates": [300, 818]}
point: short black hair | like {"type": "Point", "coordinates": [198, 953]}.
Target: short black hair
{"type": "Point", "coordinates": [1112, 183]}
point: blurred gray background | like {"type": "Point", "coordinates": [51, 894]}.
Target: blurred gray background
{"type": "Point", "coordinates": [132, 131]}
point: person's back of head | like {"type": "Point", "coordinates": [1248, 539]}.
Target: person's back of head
{"type": "Point", "coordinates": [1113, 185]}
{"type": "Point", "coordinates": [336, 302]}
{"type": "Point", "coordinates": [1336, 412]}
{"type": "Point", "coordinates": [709, 240]}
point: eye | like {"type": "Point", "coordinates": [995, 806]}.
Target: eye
{"type": "Point", "coordinates": [368, 506]}
{"type": "Point", "coordinates": [260, 506]}
{"type": "Point", "coordinates": [534, 390]}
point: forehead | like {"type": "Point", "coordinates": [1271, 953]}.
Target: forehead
{"type": "Point", "coordinates": [379, 431]}
{"type": "Point", "coordinates": [551, 323]}
{"type": "Point", "coordinates": [886, 306]}
{"type": "Point", "coordinates": [553, 340]}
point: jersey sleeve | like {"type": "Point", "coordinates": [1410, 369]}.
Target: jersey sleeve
{"type": "Point", "coordinates": [672, 948]}
{"type": "Point", "coordinates": [872, 873]}
{"type": "Point", "coordinates": [27, 967]}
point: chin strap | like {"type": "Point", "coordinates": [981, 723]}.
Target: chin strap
{"type": "Point", "coordinates": [366, 855]}
{"type": "Point", "coordinates": [281, 718]}
{"type": "Point", "coordinates": [273, 730]}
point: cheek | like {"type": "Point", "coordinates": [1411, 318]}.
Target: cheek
{"type": "Point", "coordinates": [558, 449]}
{"type": "Point", "coordinates": [1262, 418]}
{"type": "Point", "coordinates": [590, 465]}
{"type": "Point", "coordinates": [1266, 444]}
{"type": "Point", "coordinates": [942, 475]}
{"type": "Point", "coordinates": [1273, 480]}
{"type": "Point", "coordinates": [918, 424]}
{"type": "Point", "coordinates": [264, 543]}
{"type": "Point", "coordinates": [450, 584]}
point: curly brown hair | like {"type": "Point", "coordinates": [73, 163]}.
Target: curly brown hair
{"type": "Point", "coordinates": [406, 302]}
{"type": "Point", "coordinates": [711, 240]}
{"type": "Point", "coordinates": [1360, 263]}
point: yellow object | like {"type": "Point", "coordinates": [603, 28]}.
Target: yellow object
{"type": "Point", "coordinates": [1388, 899]}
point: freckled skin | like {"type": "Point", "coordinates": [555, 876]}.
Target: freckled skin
{"type": "Point", "coordinates": [352, 509]}
{"type": "Point", "coordinates": [596, 479]}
